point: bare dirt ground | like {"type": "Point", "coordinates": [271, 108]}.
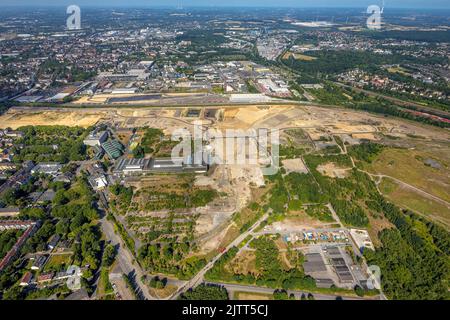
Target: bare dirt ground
{"type": "Point", "coordinates": [317, 121]}
{"type": "Point", "coordinates": [252, 296]}
{"type": "Point", "coordinates": [365, 136]}
{"type": "Point", "coordinates": [14, 120]}
{"type": "Point", "coordinates": [330, 120]}
{"type": "Point", "coordinates": [213, 223]}
{"type": "Point", "coordinates": [294, 165]}
{"type": "Point", "coordinates": [330, 169]}
{"type": "Point", "coordinates": [296, 223]}
{"type": "Point", "coordinates": [246, 117]}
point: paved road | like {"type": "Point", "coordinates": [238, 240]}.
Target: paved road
{"type": "Point", "coordinates": [124, 257]}
{"type": "Point", "coordinates": [254, 289]}
{"type": "Point", "coordinates": [335, 216]}
{"type": "Point", "coordinates": [198, 279]}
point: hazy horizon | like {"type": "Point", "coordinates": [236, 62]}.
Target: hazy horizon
{"type": "Point", "coordinates": [405, 4]}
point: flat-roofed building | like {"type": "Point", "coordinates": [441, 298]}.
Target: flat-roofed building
{"type": "Point", "coordinates": [314, 263]}
{"type": "Point", "coordinates": [129, 167]}
{"type": "Point", "coordinates": [113, 148]}
{"type": "Point", "coordinates": [26, 279]}
{"type": "Point", "coordinates": [9, 212]}
{"type": "Point", "coordinates": [51, 168]}
{"type": "Point", "coordinates": [96, 138]}
{"type": "Point", "coordinates": [39, 263]}
{"type": "Point", "coordinates": [7, 166]}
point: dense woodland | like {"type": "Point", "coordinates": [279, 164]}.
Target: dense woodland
{"type": "Point", "coordinates": [51, 144]}
{"type": "Point", "coordinates": [73, 216]}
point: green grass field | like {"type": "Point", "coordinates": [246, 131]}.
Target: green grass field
{"type": "Point", "coordinates": [409, 166]}
{"type": "Point", "coordinates": [58, 261]}
{"type": "Point", "coordinates": [414, 201]}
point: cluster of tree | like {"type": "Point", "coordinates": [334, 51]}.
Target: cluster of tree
{"type": "Point", "coordinates": [71, 216]}
{"type": "Point", "coordinates": [150, 140]}
{"type": "Point", "coordinates": [347, 195]}
{"type": "Point", "coordinates": [420, 36]}
{"type": "Point", "coordinates": [60, 70]}
{"type": "Point", "coordinates": [87, 249]}
{"type": "Point", "coordinates": [19, 293]}
{"type": "Point", "coordinates": [8, 239]}
{"type": "Point", "coordinates": [334, 95]}
{"type": "Point", "coordinates": [319, 212]}
{"type": "Point", "coordinates": [270, 271]}
{"type": "Point", "coordinates": [17, 196]}
{"type": "Point", "coordinates": [282, 295]}
{"type": "Point", "coordinates": [9, 276]}
{"type": "Point", "coordinates": [278, 199]}
{"type": "Point", "coordinates": [200, 198]}
{"type": "Point", "coordinates": [119, 228]}
{"type": "Point", "coordinates": [51, 144]}
{"type": "Point", "coordinates": [38, 242]}
{"type": "Point", "coordinates": [170, 200]}
{"type": "Point", "coordinates": [350, 213]}
{"type": "Point", "coordinates": [158, 283]}
{"type": "Point", "coordinates": [33, 213]}
{"type": "Point", "coordinates": [206, 292]}
{"type": "Point", "coordinates": [109, 255]}
{"type": "Point", "coordinates": [74, 207]}
{"type": "Point", "coordinates": [170, 257]}
{"type": "Point", "coordinates": [330, 62]}
{"type": "Point", "coordinates": [413, 257]}
{"type": "Point", "coordinates": [78, 74]}
{"type": "Point", "coordinates": [304, 187]}
{"type": "Point", "coordinates": [407, 79]}
{"type": "Point", "coordinates": [130, 281]}
{"type": "Point", "coordinates": [123, 196]}
{"type": "Point", "coordinates": [366, 151]}
{"type": "Point", "coordinates": [291, 152]}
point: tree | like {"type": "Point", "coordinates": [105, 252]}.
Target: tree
{"type": "Point", "coordinates": [10, 197]}
{"type": "Point", "coordinates": [109, 254]}
{"type": "Point", "coordinates": [77, 222]}
{"type": "Point", "coordinates": [33, 213]}
{"type": "Point", "coordinates": [359, 291]}
{"type": "Point", "coordinates": [60, 198]}
{"type": "Point", "coordinates": [158, 283]}
{"type": "Point", "coordinates": [280, 295]}
{"type": "Point", "coordinates": [62, 227]}
{"type": "Point", "coordinates": [138, 152]}
{"type": "Point", "coordinates": [206, 292]}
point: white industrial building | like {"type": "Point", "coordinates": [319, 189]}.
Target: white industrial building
{"type": "Point", "coordinates": [95, 139]}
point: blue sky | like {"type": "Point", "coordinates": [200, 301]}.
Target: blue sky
{"type": "Point", "coordinates": [209, 3]}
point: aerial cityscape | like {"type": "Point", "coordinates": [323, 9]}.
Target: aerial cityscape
{"type": "Point", "coordinates": [186, 151]}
